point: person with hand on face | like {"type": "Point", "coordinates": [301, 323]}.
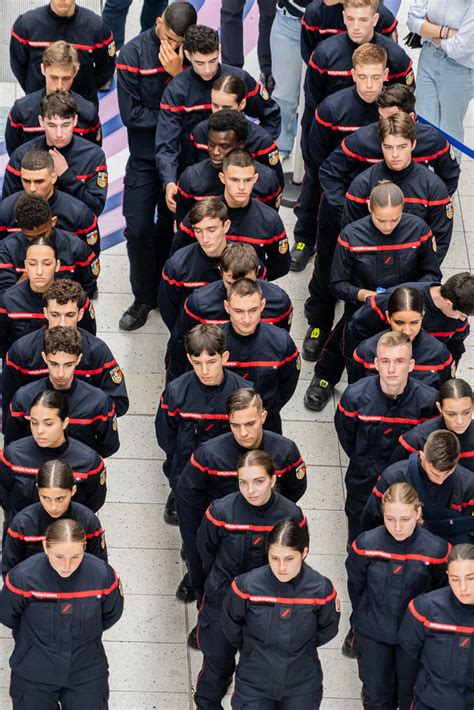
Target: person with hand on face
{"type": "Point", "coordinates": [231, 540]}
{"type": "Point", "coordinates": [86, 31]}
{"type": "Point", "coordinates": [58, 604]}
{"type": "Point", "coordinates": [147, 64]}
{"type": "Point", "coordinates": [39, 180]}
{"type": "Point", "coordinates": [56, 488]}
{"type": "Point", "coordinates": [237, 261]}
{"type": "Point", "coordinates": [447, 307]}
{"type": "Point", "coordinates": [189, 269]}
{"type": "Point", "coordinates": [437, 631]}
{"type": "Point", "coordinates": [445, 487]}
{"type": "Point", "coordinates": [260, 351]}
{"type": "Point", "coordinates": [227, 130]}
{"type": "Point", "coordinates": [59, 67]}
{"type": "Point", "coordinates": [299, 610]}
{"type": "Point", "coordinates": [64, 305]}
{"type": "Point", "coordinates": [79, 165]}
{"type": "Point", "coordinates": [34, 219]}
{"type": "Point", "coordinates": [228, 92]}
{"type": "Point", "coordinates": [21, 460]}
{"type": "Point", "coordinates": [251, 221]}
{"type": "Point", "coordinates": [115, 14]}
{"type": "Point", "coordinates": [433, 361]}
{"type": "Point", "coordinates": [95, 421]}
{"type": "Point", "coordinates": [211, 473]}
{"type": "Point", "coordinates": [386, 568]}
{"type": "Point", "coordinates": [455, 405]}
{"type": "Point", "coordinates": [371, 415]}
{"type": "Point", "coordinates": [186, 102]}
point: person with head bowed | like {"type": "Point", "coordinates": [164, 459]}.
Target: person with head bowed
{"type": "Point", "coordinates": [58, 604]}
{"type": "Point", "coordinates": [278, 616]}
{"type": "Point", "coordinates": [386, 568]}
{"type": "Point", "coordinates": [55, 487]}
{"type": "Point", "coordinates": [232, 540]}
{"type": "Point", "coordinates": [437, 631]}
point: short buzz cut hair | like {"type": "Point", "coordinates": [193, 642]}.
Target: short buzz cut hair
{"type": "Point", "coordinates": [244, 287]}
{"type": "Point", "coordinates": [64, 291]}
{"type": "Point", "coordinates": [61, 53]}
{"type": "Point", "coordinates": [400, 124]}
{"type": "Point", "coordinates": [355, 4]}
{"type": "Point", "coordinates": [59, 103]}
{"type": "Point", "coordinates": [62, 339]}
{"type": "Point", "coordinates": [394, 339]}
{"type": "Point", "coordinates": [442, 449]}
{"type": "Point", "coordinates": [38, 160]}
{"type": "Point", "coordinates": [210, 207]}
{"type": "Point", "coordinates": [242, 399]}
{"type": "Point", "coordinates": [239, 159]}
{"type": "Point", "coordinates": [201, 39]}
{"type": "Point", "coordinates": [179, 17]}
{"type": "Point", "coordinates": [229, 119]}
{"type": "Point", "coordinates": [369, 54]}
{"type": "Point", "coordinates": [31, 211]}
{"type": "Point", "coordinates": [205, 337]}
{"type": "Point", "coordinates": [240, 259]}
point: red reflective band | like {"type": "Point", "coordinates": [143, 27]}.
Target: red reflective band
{"type": "Point", "coordinates": [333, 127]}
{"type": "Point", "coordinates": [189, 196]}
{"type": "Point", "coordinates": [62, 595]}
{"type": "Point", "coordinates": [138, 70]}
{"type": "Point", "coordinates": [401, 558]}
{"type": "Point", "coordinates": [188, 109]}
{"type": "Point", "coordinates": [87, 229]}
{"type": "Point", "coordinates": [84, 47]}
{"type": "Point", "coordinates": [191, 415]}
{"type": "Point", "coordinates": [375, 308]}
{"type": "Point", "coordinates": [226, 474]}
{"type": "Point", "coordinates": [271, 197]}
{"type": "Point", "coordinates": [13, 316]}
{"type": "Point", "coordinates": [282, 600]}
{"type": "Point", "coordinates": [466, 454]}
{"type": "Point", "coordinates": [72, 420]}
{"type": "Point", "coordinates": [40, 538]}
{"type": "Point", "coordinates": [380, 418]}
{"type": "Point", "coordinates": [30, 471]}
{"type": "Point", "coordinates": [362, 158]}
{"type": "Point", "coordinates": [428, 203]}
{"type": "Point", "coordinates": [183, 284]}
{"type": "Point", "coordinates": [243, 526]}
{"type": "Point", "coordinates": [264, 151]}
{"type": "Point", "coordinates": [450, 333]}
{"type": "Point", "coordinates": [376, 491]}
{"type": "Point", "coordinates": [438, 626]}
{"type": "Point", "coordinates": [385, 247]}
{"type": "Point", "coordinates": [11, 169]}
{"type": "Point", "coordinates": [417, 368]}
{"type": "Point", "coordinates": [361, 361]}
{"type": "Point", "coordinates": [461, 506]}
{"type": "Point", "coordinates": [263, 363]}
{"type": "Point", "coordinates": [254, 91]}
{"type": "Point", "coordinates": [361, 200]}
{"type": "Point", "coordinates": [406, 445]}
{"type": "Point", "coordinates": [433, 156]}
{"type": "Point", "coordinates": [409, 68]}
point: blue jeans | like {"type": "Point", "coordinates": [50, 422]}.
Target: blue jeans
{"type": "Point", "coordinates": [443, 91]}
{"type": "Point", "coordinates": [286, 70]}
{"type": "Point", "coordinates": [115, 14]}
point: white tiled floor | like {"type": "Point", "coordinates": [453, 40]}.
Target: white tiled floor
{"type": "Point", "coordinates": [151, 666]}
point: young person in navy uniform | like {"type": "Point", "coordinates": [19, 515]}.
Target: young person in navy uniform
{"type": "Point", "coordinates": [80, 166]}
{"type": "Point", "coordinates": [251, 221]}
{"type": "Point", "coordinates": [92, 412]}
{"type": "Point", "coordinates": [437, 632]}
{"type": "Point", "coordinates": [371, 415]}
{"type": "Point", "coordinates": [237, 261]}
{"type": "Point", "coordinates": [329, 67]}
{"type": "Point", "coordinates": [455, 405]}
{"type": "Point", "coordinates": [260, 351]}
{"type": "Point", "coordinates": [64, 304]}
{"type": "Point", "coordinates": [63, 19]}
{"type": "Point", "coordinates": [58, 604]}
{"type": "Point", "coordinates": [147, 64]}
{"type": "Point", "coordinates": [232, 540]}
{"type": "Point", "coordinates": [211, 473]}
{"type": "Point", "coordinates": [187, 101]}
{"type": "Point", "coordinates": [26, 532]}
{"type": "Point", "coordinates": [59, 67]}
{"type": "Point", "coordinates": [34, 219]}
{"type": "Point", "coordinates": [386, 568]}
{"type": "Point", "coordinates": [405, 310]}
{"type": "Point", "coordinates": [323, 19]}
{"type": "Point", "coordinates": [228, 92]}
{"type": "Point", "coordinates": [447, 307]}
{"type": "Point", "coordinates": [49, 440]}
{"type": "Point", "coordinates": [39, 179]}
{"type": "Point", "coordinates": [337, 115]}
{"type": "Point", "coordinates": [227, 130]}
{"type": "Point", "coordinates": [277, 616]}
{"type": "Point", "coordinates": [445, 487]}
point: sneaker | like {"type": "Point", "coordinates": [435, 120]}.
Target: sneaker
{"type": "Point", "coordinates": [313, 343]}
{"type": "Point", "coordinates": [300, 254]}
{"type": "Point", "coordinates": [318, 394]}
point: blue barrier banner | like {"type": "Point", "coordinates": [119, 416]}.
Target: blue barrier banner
{"type": "Point", "coordinates": [454, 142]}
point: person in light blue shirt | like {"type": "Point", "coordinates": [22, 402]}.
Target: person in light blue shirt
{"type": "Point", "coordinates": [445, 76]}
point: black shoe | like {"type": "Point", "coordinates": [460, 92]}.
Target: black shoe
{"type": "Point", "coordinates": [300, 255]}
{"type": "Point", "coordinates": [182, 553]}
{"type": "Point", "coordinates": [185, 593]}
{"type": "Point", "coordinates": [318, 394]}
{"type": "Point", "coordinates": [192, 639]}
{"type": "Point", "coordinates": [135, 316]}
{"type": "Point", "coordinates": [313, 343]}
{"type": "Point", "coordinates": [348, 645]}
{"type": "Point", "coordinates": [170, 516]}
{"type": "Point", "coordinates": [95, 293]}
{"type": "Point", "coordinates": [268, 82]}
{"type": "Point", "coordinates": [106, 87]}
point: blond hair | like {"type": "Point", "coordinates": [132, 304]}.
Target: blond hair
{"type": "Point", "coordinates": [61, 53]}
{"type": "Point", "coordinates": [402, 493]}
{"type": "Point", "coordinates": [369, 54]}
{"type": "Point", "coordinates": [356, 4]}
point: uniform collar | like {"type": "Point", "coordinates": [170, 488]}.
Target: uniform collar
{"type": "Point", "coordinates": [403, 544]}
{"type": "Point", "coordinates": [57, 18]}
{"type": "Point", "coordinates": [66, 393]}
{"type": "Point", "coordinates": [244, 338]}
{"type": "Point", "coordinates": [44, 519]}
{"type": "Point", "coordinates": [397, 175]}
{"type": "Point", "coordinates": [55, 451]}
{"type": "Point", "coordinates": [255, 508]}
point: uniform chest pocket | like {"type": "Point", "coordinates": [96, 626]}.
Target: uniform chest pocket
{"type": "Point", "coordinates": [439, 648]}
{"type": "Point", "coordinates": [259, 622]}
{"type": "Point", "coordinates": [387, 269]}
{"type": "Point", "coordinates": [41, 618]}
{"type": "Point", "coordinates": [151, 90]}
{"type": "Point", "coordinates": [305, 628]}
{"type": "Point", "coordinates": [90, 618]}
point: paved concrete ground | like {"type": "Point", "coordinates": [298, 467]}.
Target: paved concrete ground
{"type": "Point", "coordinates": [150, 664]}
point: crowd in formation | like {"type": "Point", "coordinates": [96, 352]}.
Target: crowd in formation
{"type": "Point", "coordinates": [206, 246]}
